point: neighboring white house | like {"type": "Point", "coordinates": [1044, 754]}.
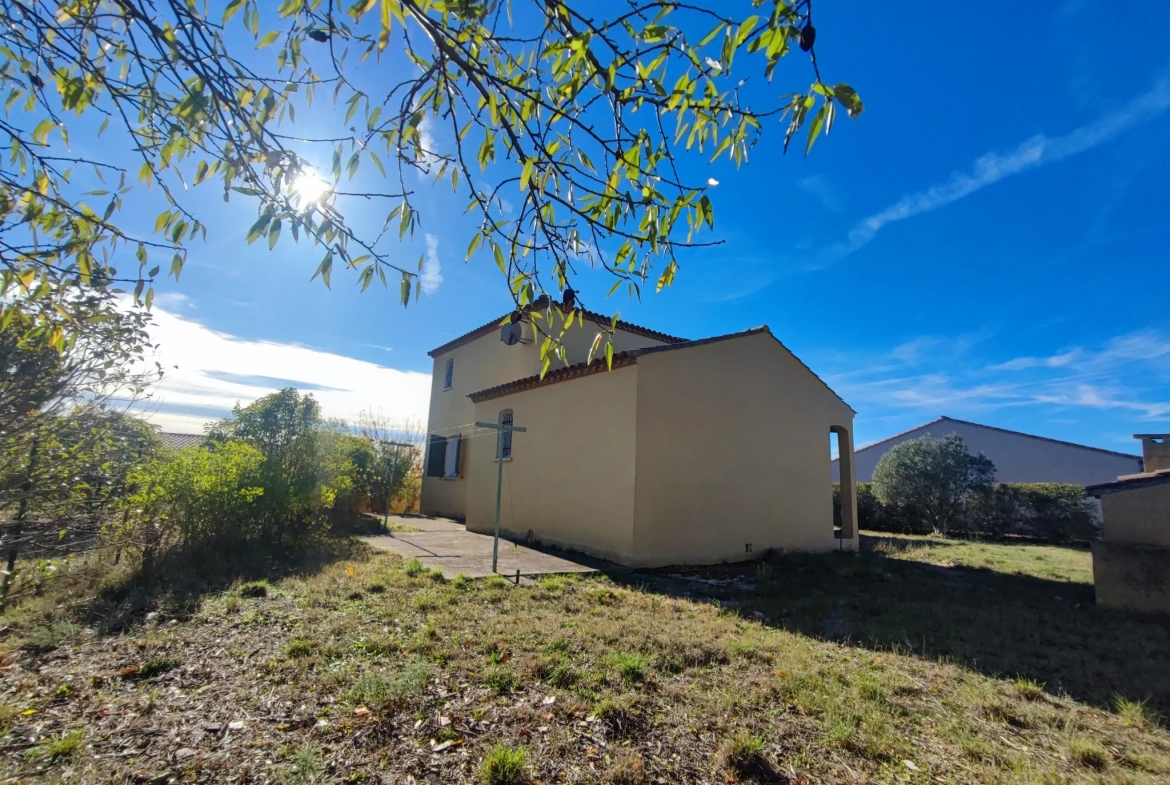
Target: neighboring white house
{"type": "Point", "coordinates": [1018, 457]}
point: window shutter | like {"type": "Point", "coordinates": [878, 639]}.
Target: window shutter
{"type": "Point", "coordinates": [454, 448]}
{"type": "Point", "coordinates": [449, 373]}
{"type": "Point", "coordinates": [437, 457]}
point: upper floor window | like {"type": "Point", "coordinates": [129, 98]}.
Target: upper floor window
{"type": "Point", "coordinates": [449, 373]}
{"type": "Point", "coordinates": [506, 436]}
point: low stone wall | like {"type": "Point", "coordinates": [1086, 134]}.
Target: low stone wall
{"type": "Point", "coordinates": [1132, 577]}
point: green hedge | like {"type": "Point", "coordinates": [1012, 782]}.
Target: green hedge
{"type": "Point", "coordinates": [1051, 512]}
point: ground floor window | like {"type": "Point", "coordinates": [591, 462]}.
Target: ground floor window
{"type": "Point", "coordinates": [443, 454]}
{"type": "Point", "coordinates": [451, 464]}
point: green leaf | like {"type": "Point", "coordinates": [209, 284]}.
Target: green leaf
{"type": "Point", "coordinates": [667, 277]}
{"type": "Point", "coordinates": [593, 347]}
{"type": "Point", "coordinates": [814, 128]}
{"type": "Point", "coordinates": [405, 289]}
{"type": "Point", "coordinates": [709, 37]}
{"type": "Point", "coordinates": [268, 39]}
{"type": "Point", "coordinates": [707, 211]}
{"type": "Point", "coordinates": [609, 356]}
{"type": "Point", "coordinates": [259, 227]}
{"type": "Point", "coordinates": [231, 10]}
{"type": "Point", "coordinates": [526, 173]}
{"type": "Point", "coordinates": [42, 131]}
{"type": "Point", "coordinates": [273, 234]}
{"type": "Point", "coordinates": [849, 99]}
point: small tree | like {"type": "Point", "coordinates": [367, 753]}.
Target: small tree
{"type": "Point", "coordinates": [397, 472]}
{"type": "Point", "coordinates": [931, 478]}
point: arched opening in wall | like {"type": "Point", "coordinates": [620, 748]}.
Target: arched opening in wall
{"type": "Point", "coordinates": [843, 485]}
{"type": "Point", "coordinates": [835, 487]}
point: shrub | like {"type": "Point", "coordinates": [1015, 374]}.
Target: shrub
{"type": "Point", "coordinates": [156, 666]}
{"type": "Point", "coordinates": [254, 589]}
{"type": "Point", "coordinates": [742, 754]}
{"type": "Point", "coordinates": [60, 747]}
{"type": "Point", "coordinates": [197, 495]}
{"type": "Point", "coordinates": [873, 515]}
{"type": "Point", "coordinates": [631, 667]}
{"type": "Point", "coordinates": [503, 765]}
{"type": "Point", "coordinates": [1052, 512]}
{"type": "Point", "coordinates": [1135, 714]}
{"type": "Point", "coordinates": [932, 479]}
{"type": "Point", "coordinates": [500, 678]}
{"type": "Point", "coordinates": [298, 648]}
{"type": "Point", "coordinates": [1089, 753]}
{"type": "Point", "coordinates": [381, 691]}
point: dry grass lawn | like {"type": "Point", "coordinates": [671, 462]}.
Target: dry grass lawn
{"type": "Point", "coordinates": [920, 661]}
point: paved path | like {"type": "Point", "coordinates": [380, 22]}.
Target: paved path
{"type": "Point", "coordinates": [448, 545]}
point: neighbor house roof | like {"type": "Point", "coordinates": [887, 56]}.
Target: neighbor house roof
{"type": "Point", "coordinates": [542, 303]}
{"type": "Point", "coordinates": [1001, 430]}
{"type": "Point", "coordinates": [1130, 482]}
{"type": "Point", "coordinates": [177, 441]}
{"type": "Point", "coordinates": [622, 360]}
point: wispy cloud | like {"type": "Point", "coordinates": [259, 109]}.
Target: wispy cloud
{"type": "Point", "coordinates": [819, 188]}
{"type": "Point", "coordinates": [431, 275]}
{"type": "Point", "coordinates": [993, 167]}
{"type": "Point", "coordinates": [208, 372]}
{"type": "Point", "coordinates": [929, 376]}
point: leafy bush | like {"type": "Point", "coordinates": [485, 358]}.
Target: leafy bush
{"type": "Point", "coordinates": [931, 479]}
{"type": "Point", "coordinates": [273, 472]}
{"type": "Point", "coordinates": [873, 515]}
{"type": "Point", "coordinates": [197, 495]}
{"type": "Point", "coordinates": [1051, 512]}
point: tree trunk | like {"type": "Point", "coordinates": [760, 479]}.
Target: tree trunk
{"type": "Point", "coordinates": [18, 524]}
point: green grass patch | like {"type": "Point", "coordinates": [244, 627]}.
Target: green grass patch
{"type": "Point", "coordinates": [503, 765]}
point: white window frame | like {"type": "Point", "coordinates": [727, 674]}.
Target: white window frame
{"type": "Point", "coordinates": [451, 459]}
{"type": "Point", "coordinates": [448, 373]}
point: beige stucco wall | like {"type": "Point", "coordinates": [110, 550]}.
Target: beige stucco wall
{"type": "Point", "coordinates": [484, 362]}
{"type": "Point", "coordinates": [487, 362]}
{"type": "Point", "coordinates": [732, 448]}
{"type": "Point", "coordinates": [1138, 516]}
{"type": "Point", "coordinates": [1132, 577]}
{"type": "Point", "coordinates": [571, 478]}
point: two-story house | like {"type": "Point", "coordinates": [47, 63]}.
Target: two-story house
{"type": "Point", "coordinates": [685, 452]}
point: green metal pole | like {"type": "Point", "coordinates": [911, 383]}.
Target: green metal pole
{"type": "Point", "coordinates": [499, 485]}
{"type": "Point", "coordinates": [390, 489]}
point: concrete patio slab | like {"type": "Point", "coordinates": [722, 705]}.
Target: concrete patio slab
{"type": "Point", "coordinates": [448, 546]}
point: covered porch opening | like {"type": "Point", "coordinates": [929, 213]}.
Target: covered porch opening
{"type": "Point", "coordinates": [841, 445]}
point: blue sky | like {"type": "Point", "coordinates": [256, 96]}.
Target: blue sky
{"type": "Point", "coordinates": [988, 241]}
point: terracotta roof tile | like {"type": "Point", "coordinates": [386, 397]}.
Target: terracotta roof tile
{"type": "Point", "coordinates": [553, 377]}
{"type": "Point", "coordinates": [592, 316]}
{"type": "Point", "coordinates": [627, 358]}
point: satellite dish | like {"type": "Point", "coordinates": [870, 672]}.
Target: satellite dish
{"type": "Point", "coordinates": [510, 334]}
